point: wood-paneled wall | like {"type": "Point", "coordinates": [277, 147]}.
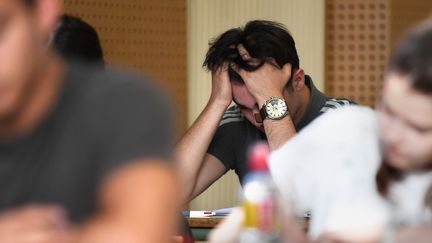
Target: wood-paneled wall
{"type": "Point", "coordinates": [360, 35]}
{"type": "Point", "coordinates": [147, 36]}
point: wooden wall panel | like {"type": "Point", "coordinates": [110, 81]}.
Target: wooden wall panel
{"type": "Point", "coordinates": [356, 49]}
{"type": "Point", "coordinates": [144, 35]}
{"type": "Point", "coordinates": [404, 14]}
{"type": "Point", "coordinates": [359, 38]}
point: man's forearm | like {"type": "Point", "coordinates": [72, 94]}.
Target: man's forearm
{"type": "Point", "coordinates": [279, 131]}
{"type": "Point", "coordinates": [192, 147]}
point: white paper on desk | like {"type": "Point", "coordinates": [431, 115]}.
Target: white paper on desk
{"type": "Point", "coordinates": [201, 214]}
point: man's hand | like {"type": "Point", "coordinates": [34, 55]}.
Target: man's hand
{"type": "Point", "coordinates": [221, 86]}
{"type": "Point", "coordinates": [267, 81]}
{"type": "Point", "coordinates": [35, 224]}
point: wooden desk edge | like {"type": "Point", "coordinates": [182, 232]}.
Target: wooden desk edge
{"type": "Point", "coordinates": [209, 222]}
{"type": "Point", "coordinates": [212, 222]}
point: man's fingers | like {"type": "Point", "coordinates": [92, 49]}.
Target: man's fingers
{"type": "Point", "coordinates": [42, 224]}
{"type": "Point", "coordinates": [224, 66]}
{"type": "Point", "coordinates": [224, 69]}
{"type": "Point", "coordinates": [243, 74]}
{"type": "Point", "coordinates": [44, 216]}
{"type": "Point", "coordinates": [39, 236]}
{"type": "Point", "coordinates": [244, 54]}
{"type": "Point", "coordinates": [221, 69]}
{"type": "Point", "coordinates": [32, 217]}
{"type": "Point", "coordinates": [234, 67]}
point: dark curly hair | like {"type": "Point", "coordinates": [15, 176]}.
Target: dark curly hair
{"type": "Point", "coordinates": [262, 39]}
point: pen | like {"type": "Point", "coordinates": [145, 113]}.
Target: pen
{"type": "Point", "coordinates": [198, 214]}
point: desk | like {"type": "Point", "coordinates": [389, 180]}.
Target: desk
{"type": "Point", "coordinates": [209, 222]}
{"type": "Point", "coordinates": [201, 227]}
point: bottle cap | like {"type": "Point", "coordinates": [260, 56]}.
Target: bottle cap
{"type": "Point", "coordinates": [258, 157]}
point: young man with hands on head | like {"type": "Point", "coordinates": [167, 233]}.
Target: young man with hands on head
{"type": "Point", "coordinates": [258, 69]}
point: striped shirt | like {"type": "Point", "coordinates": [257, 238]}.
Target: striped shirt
{"type": "Point", "coordinates": [235, 133]}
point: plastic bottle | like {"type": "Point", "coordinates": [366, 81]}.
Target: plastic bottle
{"type": "Point", "coordinates": [260, 200]}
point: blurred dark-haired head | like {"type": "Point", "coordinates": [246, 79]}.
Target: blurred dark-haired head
{"type": "Point", "coordinates": [264, 40]}
{"type": "Point", "coordinates": [76, 39]}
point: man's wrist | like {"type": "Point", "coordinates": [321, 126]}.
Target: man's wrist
{"type": "Point", "coordinates": [219, 104]}
{"type": "Point", "coordinates": [275, 108]}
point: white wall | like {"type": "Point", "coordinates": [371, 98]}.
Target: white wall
{"type": "Point", "coordinates": [209, 18]}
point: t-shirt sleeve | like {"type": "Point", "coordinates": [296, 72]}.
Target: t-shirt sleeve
{"type": "Point", "coordinates": [132, 120]}
{"type": "Point", "coordinates": [329, 169]}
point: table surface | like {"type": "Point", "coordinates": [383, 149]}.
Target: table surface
{"type": "Point", "coordinates": [201, 227]}
{"type": "Point", "coordinates": [209, 222]}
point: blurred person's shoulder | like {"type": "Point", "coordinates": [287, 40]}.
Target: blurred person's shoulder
{"type": "Point", "coordinates": [111, 79]}
{"type": "Point", "coordinates": [96, 84]}
{"type": "Point", "coordinates": [127, 113]}
{"type": "Point", "coordinates": [108, 98]}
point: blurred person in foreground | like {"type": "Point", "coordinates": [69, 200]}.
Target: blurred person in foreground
{"type": "Point", "coordinates": [80, 149]}
{"type": "Point", "coordinates": [366, 176]}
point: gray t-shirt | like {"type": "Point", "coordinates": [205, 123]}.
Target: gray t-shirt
{"type": "Point", "coordinates": [103, 119]}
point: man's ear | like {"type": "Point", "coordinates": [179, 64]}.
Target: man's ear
{"type": "Point", "coordinates": [298, 82]}
{"type": "Point", "coordinates": [48, 14]}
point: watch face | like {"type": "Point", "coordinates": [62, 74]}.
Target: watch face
{"type": "Point", "coordinates": [276, 108]}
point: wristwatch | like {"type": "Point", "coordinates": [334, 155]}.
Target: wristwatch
{"type": "Point", "coordinates": [275, 108]}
